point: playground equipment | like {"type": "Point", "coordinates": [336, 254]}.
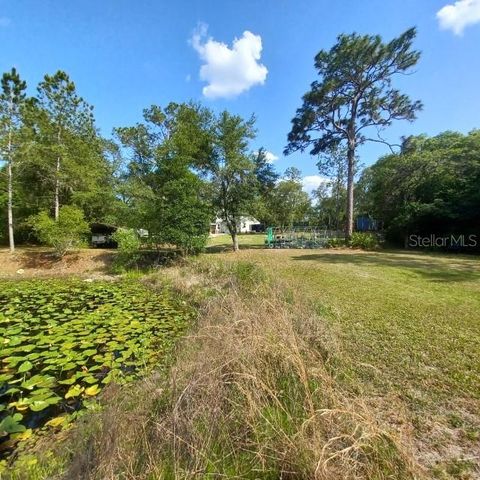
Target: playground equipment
{"type": "Point", "coordinates": [299, 237]}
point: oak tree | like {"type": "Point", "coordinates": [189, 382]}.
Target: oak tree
{"type": "Point", "coordinates": [233, 171]}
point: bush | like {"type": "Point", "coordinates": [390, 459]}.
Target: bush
{"type": "Point", "coordinates": [129, 244]}
{"type": "Point", "coordinates": [335, 243]}
{"type": "Point", "coordinates": [181, 218]}
{"type": "Point", "coordinates": [67, 233]}
{"type": "Point", "coordinates": [363, 240]}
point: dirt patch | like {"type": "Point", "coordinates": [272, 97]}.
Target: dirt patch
{"type": "Point", "coordinates": [31, 262]}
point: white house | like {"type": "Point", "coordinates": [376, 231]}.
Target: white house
{"type": "Point", "coordinates": [245, 225]}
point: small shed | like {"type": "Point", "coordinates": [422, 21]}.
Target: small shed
{"type": "Point", "coordinates": [365, 223]}
{"type": "Point", "coordinates": [102, 235]}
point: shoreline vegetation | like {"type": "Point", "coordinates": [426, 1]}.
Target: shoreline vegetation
{"type": "Point", "coordinates": [292, 372]}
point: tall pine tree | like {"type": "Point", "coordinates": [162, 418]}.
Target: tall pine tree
{"type": "Point", "coordinates": [12, 97]}
{"type": "Point", "coordinates": [353, 97]}
{"type": "Point", "coordinates": [64, 116]}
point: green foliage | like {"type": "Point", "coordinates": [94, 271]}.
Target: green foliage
{"type": "Point", "coordinates": [62, 154]}
{"type": "Point", "coordinates": [265, 172]}
{"type": "Point", "coordinates": [66, 124]}
{"type": "Point", "coordinates": [11, 424]}
{"type": "Point", "coordinates": [184, 166]}
{"type": "Point", "coordinates": [162, 190]}
{"type": "Point", "coordinates": [12, 99]}
{"type": "Point", "coordinates": [65, 234]}
{"type": "Point", "coordinates": [129, 245]}
{"type": "Point", "coordinates": [335, 243]}
{"type": "Point", "coordinates": [56, 152]}
{"type": "Point", "coordinates": [287, 203]}
{"type": "Point", "coordinates": [430, 187]}
{"type": "Point", "coordinates": [266, 177]}
{"type": "Point", "coordinates": [363, 240]}
{"type": "Point", "coordinates": [331, 197]}
{"type": "Point", "coordinates": [329, 209]}
{"type": "Point", "coordinates": [357, 71]}
{"type": "Point", "coordinates": [128, 241]}
{"type": "Point", "coordinates": [183, 214]}
{"type": "Point", "coordinates": [232, 171]}
{"type": "Point", "coordinates": [63, 342]}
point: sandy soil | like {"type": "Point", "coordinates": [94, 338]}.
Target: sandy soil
{"type": "Point", "coordinates": [29, 262]}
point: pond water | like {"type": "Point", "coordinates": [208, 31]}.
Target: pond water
{"type": "Point", "coordinates": [62, 342]}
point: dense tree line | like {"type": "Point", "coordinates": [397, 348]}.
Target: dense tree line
{"type": "Point", "coordinates": [183, 165]}
{"type": "Point", "coordinates": [54, 155]}
{"type": "Point", "coordinates": [287, 204]}
{"type": "Point", "coordinates": [170, 174]}
{"type": "Point", "coordinates": [431, 187]}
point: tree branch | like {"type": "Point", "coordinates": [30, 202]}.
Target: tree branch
{"type": "Point", "coordinates": [384, 142]}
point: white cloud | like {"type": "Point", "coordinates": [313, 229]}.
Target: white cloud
{"type": "Point", "coordinates": [229, 71]}
{"type": "Point", "coordinates": [459, 15]}
{"type": "Point", "coordinates": [312, 182]}
{"type": "Point", "coordinates": [269, 156]}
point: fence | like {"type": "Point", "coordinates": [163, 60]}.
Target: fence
{"type": "Point", "coordinates": [300, 237]}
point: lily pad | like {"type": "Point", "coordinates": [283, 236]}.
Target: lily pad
{"type": "Point", "coordinates": [74, 391]}
{"type": "Point", "coordinates": [67, 340]}
{"type": "Point", "coordinates": [11, 424]}
{"type": "Point", "coordinates": [93, 390]}
{"type": "Point", "coordinates": [57, 421]}
{"type": "Point", "coordinates": [25, 367]}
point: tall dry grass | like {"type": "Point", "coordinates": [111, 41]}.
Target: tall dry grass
{"type": "Point", "coordinates": [251, 395]}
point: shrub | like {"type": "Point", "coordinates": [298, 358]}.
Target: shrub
{"type": "Point", "coordinates": [248, 276]}
{"type": "Point", "coordinates": [182, 217]}
{"type": "Point", "coordinates": [363, 240]}
{"type": "Point", "coordinates": [67, 233]}
{"type": "Point", "coordinates": [129, 244]}
{"type": "Point", "coordinates": [335, 243]}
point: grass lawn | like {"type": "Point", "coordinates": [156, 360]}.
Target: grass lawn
{"type": "Point", "coordinates": [220, 243]}
{"type": "Point", "coordinates": [407, 333]}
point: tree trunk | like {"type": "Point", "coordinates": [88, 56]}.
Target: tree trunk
{"type": "Point", "coordinates": [232, 228]}
{"type": "Point", "coordinates": [10, 207]}
{"type": "Point", "coordinates": [337, 206]}
{"type": "Point", "coordinates": [235, 241]}
{"type": "Point", "coordinates": [350, 177]}
{"type": "Point", "coordinates": [57, 183]}
{"type": "Point", "coordinates": [11, 238]}
{"type": "Point", "coordinates": [57, 189]}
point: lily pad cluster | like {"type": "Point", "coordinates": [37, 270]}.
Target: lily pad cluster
{"type": "Point", "coordinates": [62, 342]}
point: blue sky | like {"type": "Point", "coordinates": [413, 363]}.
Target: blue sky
{"type": "Point", "coordinates": [125, 55]}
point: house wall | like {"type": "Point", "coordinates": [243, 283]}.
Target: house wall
{"type": "Point", "coordinates": [245, 225]}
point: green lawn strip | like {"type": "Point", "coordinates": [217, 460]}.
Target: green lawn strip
{"type": "Point", "coordinates": [408, 326]}
{"type": "Point", "coordinates": [223, 242]}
